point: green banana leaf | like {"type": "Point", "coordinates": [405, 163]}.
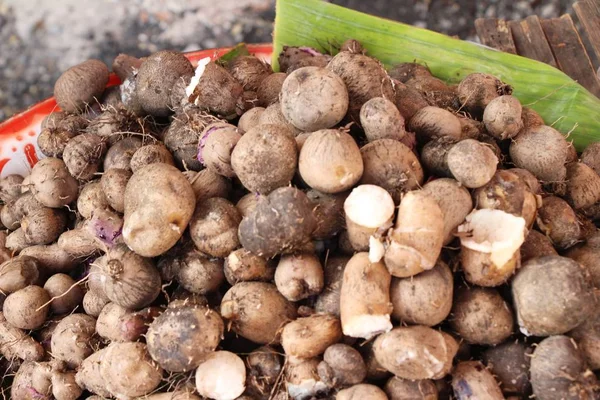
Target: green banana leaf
{"type": "Point", "coordinates": [561, 101]}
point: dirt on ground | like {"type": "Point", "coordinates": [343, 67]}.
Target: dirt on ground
{"type": "Point", "coordinates": [39, 38]}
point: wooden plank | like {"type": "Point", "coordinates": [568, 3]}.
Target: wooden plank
{"type": "Point", "coordinates": [589, 16]}
{"type": "Point", "coordinates": [570, 53]}
{"type": "Point", "coordinates": [495, 33]}
{"type": "Point", "coordinates": [530, 40]}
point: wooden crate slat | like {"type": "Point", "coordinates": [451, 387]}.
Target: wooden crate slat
{"type": "Point", "coordinates": [569, 52]}
{"type": "Point", "coordinates": [530, 40]}
{"type": "Point", "coordinates": [589, 16]}
{"type": "Point", "coordinates": [494, 32]}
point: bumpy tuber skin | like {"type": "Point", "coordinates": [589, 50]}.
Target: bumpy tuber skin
{"type": "Point", "coordinates": [155, 79]}
{"type": "Point", "coordinates": [364, 77]}
{"type": "Point", "coordinates": [416, 352]}
{"type": "Point", "coordinates": [241, 265]}
{"type": "Point", "coordinates": [571, 303]}
{"type": "Point", "coordinates": [128, 371]}
{"type": "Point", "coordinates": [313, 98]}
{"type": "Point", "coordinates": [269, 89]}
{"type": "Point", "coordinates": [207, 184]}
{"type": "Point", "coordinates": [477, 90]}
{"type": "Point", "coordinates": [588, 255]}
{"type": "Point", "coordinates": [481, 316]}
{"type": "Point", "coordinates": [280, 223]}
{"type": "Point", "coordinates": [91, 198]}
{"type": "Point", "coordinates": [74, 339]}
{"type": "Point", "coordinates": [583, 185]}
{"type": "Point", "coordinates": [197, 273]}
{"type": "Point", "coordinates": [415, 243]}
{"type": "Point", "coordinates": [274, 116]}
{"type": "Point", "coordinates": [558, 371]}
{"type": "Point", "coordinates": [587, 336]}
{"type": "Point", "coordinates": [502, 117]}
{"type": "Point", "coordinates": [365, 306]}
{"type": "Point", "coordinates": [403, 389]}
{"type": "Point", "coordinates": [509, 362]}
{"type": "Point", "coordinates": [16, 344]}
{"type": "Point", "coordinates": [113, 182]}
{"type": "Point", "coordinates": [299, 276]}
{"type": "Point", "coordinates": [557, 220]}
{"type": "Point", "coordinates": [265, 158]}
{"type": "Point", "coordinates": [81, 85]}
{"type": "Point", "coordinates": [94, 302]}
{"type": "Point", "coordinates": [548, 165]}
{"type": "Point", "coordinates": [51, 258]}
{"type": "Point", "coordinates": [181, 336]}
{"type": "Point", "coordinates": [302, 379]}
{"type": "Point", "coordinates": [471, 380]}
{"type": "Point", "coordinates": [27, 308]}
{"type": "Point", "coordinates": [329, 299]}
{"type": "Point", "coordinates": [292, 58]}
{"type": "Point", "coordinates": [215, 147]}
{"type": "Point", "coordinates": [55, 135]}
{"type": "Point", "coordinates": [472, 163]}
{"type": "Point", "coordinates": [424, 299]}
{"type": "Point", "coordinates": [250, 119]}
{"type": "Point", "coordinates": [150, 154]}
{"type": "Point", "coordinates": [362, 391]}
{"type": "Point", "coordinates": [433, 122]}
{"type": "Point", "coordinates": [537, 244]}
{"type": "Point", "coordinates": [214, 227]}
{"type": "Point", "coordinates": [159, 203]}
{"type": "Point", "coordinates": [381, 119]}
{"type": "Point", "coordinates": [118, 324]}
{"type": "Point", "coordinates": [88, 375]}
{"type": "Point", "coordinates": [65, 293]}
{"type": "Point", "coordinates": [490, 242]}
{"type": "Point", "coordinates": [309, 337]}
{"type": "Point", "coordinates": [83, 155]}
{"type": "Point", "coordinates": [454, 201]}
{"type": "Point", "coordinates": [52, 184]}
{"type": "Point", "coordinates": [264, 366]}
{"type": "Point", "coordinates": [392, 165]}
{"type": "Point", "coordinates": [18, 273]}
{"type": "Point", "coordinates": [10, 187]}
{"type": "Point", "coordinates": [128, 279]}
{"type": "Point", "coordinates": [342, 366]}
{"type": "Point", "coordinates": [506, 191]}
{"type": "Point", "coordinates": [257, 311]}
{"type": "Point", "coordinates": [221, 376]}
{"type": "Point", "coordinates": [329, 213]}
{"type": "Point", "coordinates": [119, 154]}
{"type": "Point", "coordinates": [591, 157]}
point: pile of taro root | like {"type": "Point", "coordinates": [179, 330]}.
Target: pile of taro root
{"type": "Point", "coordinates": [332, 231]}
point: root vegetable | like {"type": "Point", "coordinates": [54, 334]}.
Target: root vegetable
{"type": "Point", "coordinates": [66, 295]}
{"type": "Point", "coordinates": [74, 339]}
{"type": "Point", "coordinates": [241, 266]}
{"type": "Point", "coordinates": [558, 371]}
{"type": "Point", "coordinates": [505, 191]}
{"type": "Point", "coordinates": [403, 389]}
{"type": "Point", "coordinates": [10, 187]}
{"type": "Point", "coordinates": [281, 222]}
{"type": "Point", "coordinates": [94, 302]}
{"type": "Point", "coordinates": [52, 184]}
{"type": "Point", "coordinates": [365, 306]}
{"type": "Point", "coordinates": [64, 386]}
{"type": "Point", "coordinates": [15, 343]}
{"type": "Point", "coordinates": [183, 335]}
{"type": "Point", "coordinates": [433, 122]}
{"type": "Point", "coordinates": [328, 300]}
{"type": "Point", "coordinates": [27, 308]}
{"type": "Point", "coordinates": [572, 299]}
{"type": "Point", "coordinates": [424, 299]}
{"type": "Point", "coordinates": [587, 336]}
{"type": "Point", "coordinates": [408, 100]}
{"type": "Point", "coordinates": [490, 242]}
{"type": "Point", "coordinates": [537, 244]}
{"type": "Point", "coordinates": [88, 375]}
{"type": "Point", "coordinates": [257, 311]}
{"type": "Point", "coordinates": [509, 362]}
{"type": "Point", "coordinates": [214, 227]}
{"type": "Point", "coordinates": [215, 147]}
{"type": "Point", "coordinates": [342, 366]}
{"type": "Point", "coordinates": [502, 117]}
{"type": "Point", "coordinates": [250, 119]}
{"type": "Point", "coordinates": [197, 273]}
{"type": "Point", "coordinates": [481, 316]}
{"type": "Point", "coordinates": [16, 241]}
{"type": "Point", "coordinates": [269, 89]}
{"type": "Point", "coordinates": [362, 391]}
{"type": "Point", "coordinates": [292, 56]}
{"type": "Point", "coordinates": [265, 158]}
{"type": "Point", "coordinates": [392, 166]}
{"type": "Point", "coordinates": [299, 276]}
{"type": "Point", "coordinates": [591, 156]}
{"type": "Point", "coordinates": [113, 182]}
{"type": "Point", "coordinates": [119, 154]}
{"type": "Point", "coordinates": [129, 279]}
{"type": "Point", "coordinates": [83, 155]}
{"type": "Point", "coordinates": [541, 150]}
{"type": "Point", "coordinates": [263, 368]}
{"type": "Point", "coordinates": [477, 90]}
{"type": "Point", "coordinates": [303, 381]}
{"type": "Point", "coordinates": [51, 258]}
{"type": "Point", "coordinates": [159, 203]}
{"type": "Point", "coordinates": [415, 243]}
{"type": "Point", "coordinates": [328, 211]}
{"type": "Point", "coordinates": [92, 197]}
{"type": "Point", "coordinates": [454, 201]}
{"type": "Point", "coordinates": [273, 115]}
{"type": "Point", "coordinates": [583, 185]}
{"type": "Point", "coordinates": [32, 380]}
{"type": "Point", "coordinates": [118, 324]}
{"type": "Point", "coordinates": [43, 226]}
{"type": "Point", "coordinates": [150, 154]}
{"type": "Point", "coordinates": [221, 376]}
{"type": "Point", "coordinates": [472, 163]}
{"type": "Point", "coordinates": [18, 273]}
{"type": "Point", "coordinates": [207, 184]}
{"type": "Point", "coordinates": [309, 337]}
{"type": "Point", "coordinates": [557, 220]}
{"type": "Point", "coordinates": [249, 71]}
{"type": "Point", "coordinates": [471, 380]}
{"type": "Point", "coordinates": [81, 85]}
{"type": "Point", "coordinates": [416, 352]}
{"type": "Point", "coordinates": [381, 119]}
{"type": "Point", "coordinates": [587, 255]}
{"type": "Point", "coordinates": [434, 156]}
{"type": "Point", "coordinates": [304, 103]}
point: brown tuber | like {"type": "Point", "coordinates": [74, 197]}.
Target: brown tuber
{"type": "Point", "coordinates": [80, 86]}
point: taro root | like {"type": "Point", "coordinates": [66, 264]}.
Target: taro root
{"type": "Point", "coordinates": [591, 157]}
{"type": "Point", "coordinates": [119, 154]}
{"type": "Point", "coordinates": [314, 98]}
{"type": "Point", "coordinates": [27, 308]}
{"type": "Point", "coordinates": [502, 117]}
{"type": "Point", "coordinates": [571, 301]}
{"type": "Point", "coordinates": [583, 185]}
{"type": "Point", "coordinates": [215, 147]}
{"type": "Point", "coordinates": [74, 339]}
{"type": "Point", "coordinates": [241, 266]}
{"type": "Point", "coordinates": [155, 79]}
{"type": "Point", "coordinates": [250, 119]}
{"type": "Point", "coordinates": [434, 122]}
{"type": "Point", "coordinates": [150, 154]}
{"type": "Point", "coordinates": [83, 155]}
{"type": "Point", "coordinates": [559, 222]}
{"type": "Point", "coordinates": [52, 184]}
{"type": "Point", "coordinates": [81, 86]}
{"type": "Point", "coordinates": [299, 276]}
{"type": "Point", "coordinates": [56, 134]}
{"type": "Point", "coordinates": [269, 89]}
{"type": "Point", "coordinates": [477, 90]}
{"type": "Point", "coordinates": [471, 380]}
{"type": "Point", "coordinates": [342, 366]}
{"type": "Point", "coordinates": [249, 71]}
{"type": "Point", "coordinates": [214, 227]}
{"type": "Point", "coordinates": [329, 213]}
{"type": "Point", "coordinates": [328, 300]}
{"type": "Point", "coordinates": [472, 163]}
{"type": "Point", "coordinates": [381, 119]}
{"type": "Point", "coordinates": [537, 244]}
{"type": "Point", "coordinates": [309, 337]}
{"type": "Point", "coordinates": [221, 375]}
{"type": "Point", "coordinates": [181, 138]}
{"type": "Point", "coordinates": [509, 362]}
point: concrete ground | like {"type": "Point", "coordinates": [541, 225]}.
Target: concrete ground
{"type": "Point", "coordinates": [41, 38]}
